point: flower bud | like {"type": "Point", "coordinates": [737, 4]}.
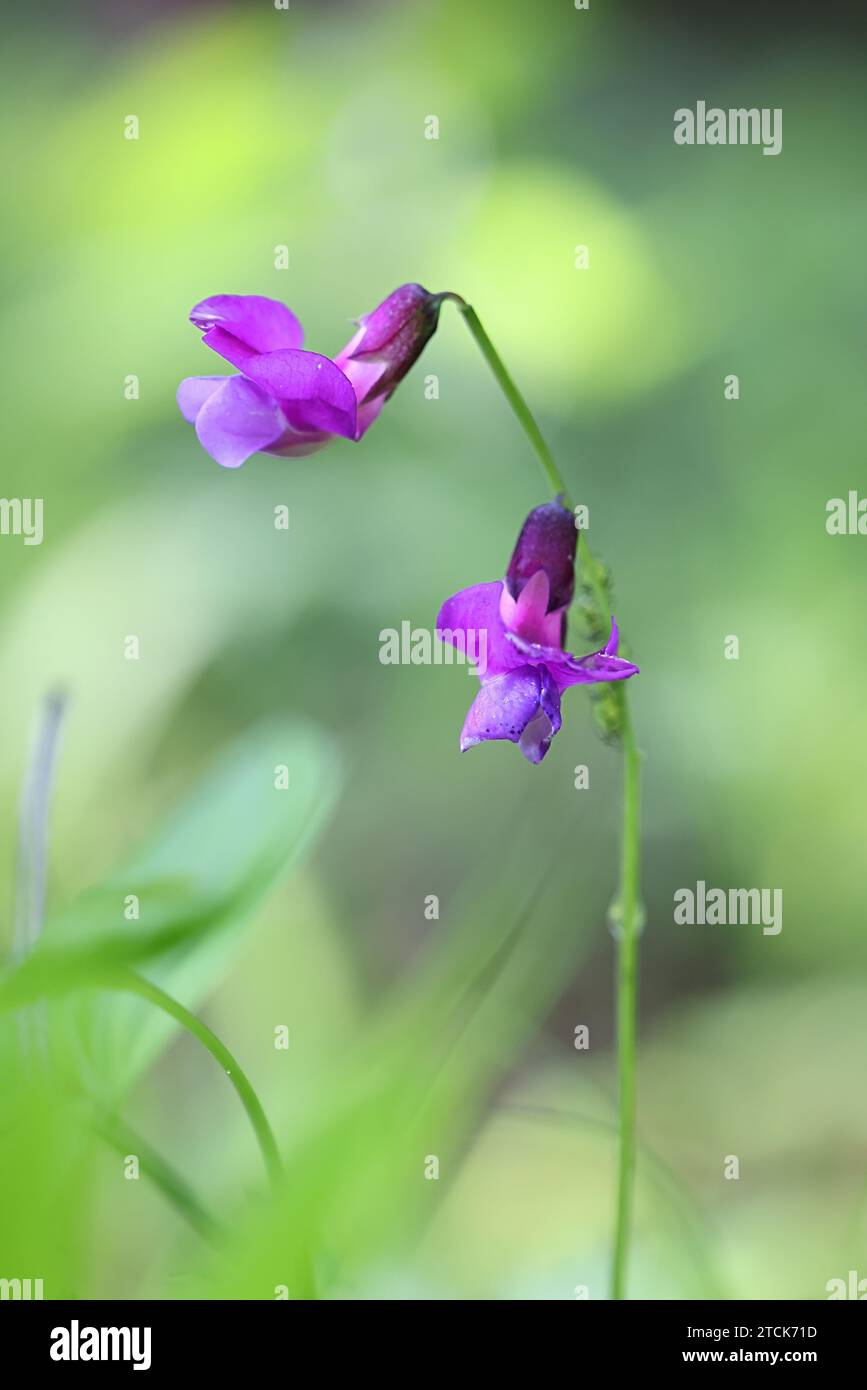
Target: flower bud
{"type": "Point", "coordinates": [395, 334]}
{"type": "Point", "coordinates": [547, 542]}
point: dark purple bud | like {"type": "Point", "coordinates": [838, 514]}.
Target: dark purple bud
{"type": "Point", "coordinates": [547, 542]}
{"type": "Point", "coordinates": [395, 333]}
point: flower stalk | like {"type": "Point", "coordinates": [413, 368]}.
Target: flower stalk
{"type": "Point", "coordinates": [515, 399]}
{"type": "Point", "coordinates": [627, 912]}
{"type": "Point", "coordinates": [629, 928]}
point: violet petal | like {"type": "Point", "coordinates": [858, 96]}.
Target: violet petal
{"type": "Point", "coordinates": [265, 325]}
{"type": "Point", "coordinates": [393, 336]}
{"type": "Point", "coordinates": [194, 391]}
{"type": "Point", "coordinates": [503, 708]}
{"type": "Point", "coordinates": [470, 613]}
{"type": "Point", "coordinates": [238, 420]}
{"type": "Point", "coordinates": [409, 306]}
{"type": "Point", "coordinates": [314, 393]}
{"type": "Point", "coordinates": [536, 738]}
{"type": "Point", "coordinates": [571, 670]}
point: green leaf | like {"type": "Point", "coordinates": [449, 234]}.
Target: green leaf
{"type": "Point", "coordinates": [197, 883]}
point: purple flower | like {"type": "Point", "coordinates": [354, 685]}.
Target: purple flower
{"type": "Point", "coordinates": [290, 402]}
{"type": "Point", "coordinates": [518, 627]}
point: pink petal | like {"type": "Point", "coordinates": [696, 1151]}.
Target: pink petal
{"type": "Point", "coordinates": [522, 706]}
{"type": "Point", "coordinates": [313, 392]}
{"type": "Point", "coordinates": [194, 391]}
{"type": "Point", "coordinates": [237, 420]}
{"type": "Point", "coordinates": [467, 615]}
{"type": "Point", "coordinates": [265, 325]}
{"type": "Point", "coordinates": [572, 670]}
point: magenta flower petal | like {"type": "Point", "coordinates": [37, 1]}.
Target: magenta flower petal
{"type": "Point", "coordinates": [313, 392]}
{"type": "Point", "coordinates": [364, 375]}
{"type": "Point", "coordinates": [194, 391]}
{"type": "Point", "coordinates": [588, 670]}
{"type": "Point", "coordinates": [522, 706]}
{"type": "Point", "coordinates": [409, 306]}
{"type": "Point", "coordinates": [536, 738]}
{"type": "Point", "coordinates": [394, 335]}
{"type": "Point", "coordinates": [295, 445]}
{"type": "Point", "coordinates": [366, 415]}
{"type": "Point", "coordinates": [265, 325]}
{"type": "Point", "coordinates": [409, 314]}
{"type": "Point", "coordinates": [230, 347]}
{"type": "Point", "coordinates": [237, 420]}
{"type": "Point", "coordinates": [474, 611]}
{"type": "Point", "coordinates": [568, 670]}
{"type": "Point", "coordinates": [318, 397]}
{"type": "Point", "coordinates": [523, 622]}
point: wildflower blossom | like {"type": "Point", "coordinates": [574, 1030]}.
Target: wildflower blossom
{"type": "Point", "coordinates": [524, 621]}
{"type": "Point", "coordinates": [288, 401]}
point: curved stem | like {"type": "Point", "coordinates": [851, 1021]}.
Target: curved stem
{"type": "Point", "coordinates": [515, 399]}
{"type": "Point", "coordinates": [131, 983]}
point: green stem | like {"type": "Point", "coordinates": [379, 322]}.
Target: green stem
{"type": "Point", "coordinates": [124, 1140]}
{"type": "Point", "coordinates": [629, 905]}
{"type": "Point", "coordinates": [515, 399]}
{"type": "Point", "coordinates": [627, 998]}
{"type": "Point", "coordinates": [131, 983]}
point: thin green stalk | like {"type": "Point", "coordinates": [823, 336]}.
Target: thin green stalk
{"type": "Point", "coordinates": [131, 983]}
{"type": "Point", "coordinates": [627, 998]}
{"type": "Point", "coordinates": [515, 399]}
{"type": "Point", "coordinates": [629, 906]}
{"type": "Point", "coordinates": [124, 1140]}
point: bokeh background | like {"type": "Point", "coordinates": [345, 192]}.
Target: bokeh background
{"type": "Point", "coordinates": [411, 1037]}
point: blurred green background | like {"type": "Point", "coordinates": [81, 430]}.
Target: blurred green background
{"type": "Point", "coordinates": [411, 1037]}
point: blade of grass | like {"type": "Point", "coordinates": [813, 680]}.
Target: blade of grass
{"type": "Point", "coordinates": [127, 982]}
{"type": "Point", "coordinates": [121, 1137]}
{"type": "Point", "coordinates": [130, 983]}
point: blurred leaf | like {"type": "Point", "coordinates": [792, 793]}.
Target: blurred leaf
{"type": "Point", "coordinates": [197, 883]}
{"type": "Point", "coordinates": [46, 1177]}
